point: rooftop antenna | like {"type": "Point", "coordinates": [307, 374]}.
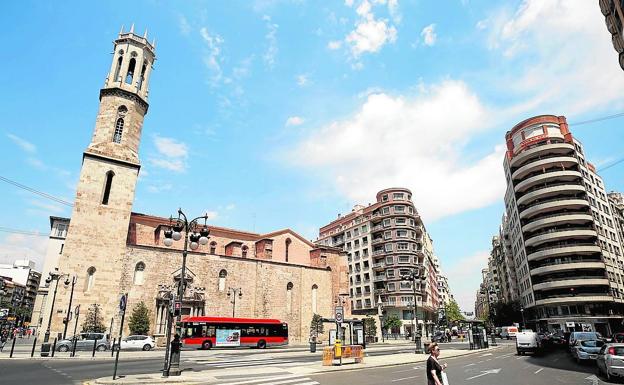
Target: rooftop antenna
{"type": "Point", "coordinates": [132, 28]}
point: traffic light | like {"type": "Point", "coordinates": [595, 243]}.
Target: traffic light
{"type": "Point", "coordinates": [176, 309]}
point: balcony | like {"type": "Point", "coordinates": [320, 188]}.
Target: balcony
{"type": "Point", "coordinates": [574, 299]}
{"type": "Point", "coordinates": [554, 148]}
{"type": "Point", "coordinates": [377, 228]}
{"type": "Point", "coordinates": [561, 250]}
{"type": "Point", "coordinates": [563, 161]}
{"type": "Point", "coordinates": [549, 220]}
{"type": "Point", "coordinates": [576, 281]}
{"type": "Point", "coordinates": [572, 267]}
{"type": "Point", "coordinates": [379, 266]}
{"type": "Point", "coordinates": [379, 278]}
{"type": "Point", "coordinates": [568, 175]}
{"type": "Point", "coordinates": [377, 241]}
{"type": "Point", "coordinates": [554, 205]}
{"type": "Point", "coordinates": [560, 235]}
{"type": "Point", "coordinates": [550, 191]}
{"type": "Point", "coordinates": [379, 252]}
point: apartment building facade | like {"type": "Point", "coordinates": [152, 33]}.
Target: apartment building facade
{"type": "Point", "coordinates": [613, 11]}
{"type": "Point", "coordinates": [566, 253]}
{"type": "Point", "coordinates": [383, 242]}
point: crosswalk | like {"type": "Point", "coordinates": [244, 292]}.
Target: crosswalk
{"type": "Point", "coordinates": [245, 362]}
{"type": "Point", "coordinates": [284, 379]}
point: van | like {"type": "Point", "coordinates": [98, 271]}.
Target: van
{"type": "Point", "coordinates": [509, 332]}
{"type": "Point", "coordinates": [527, 341]}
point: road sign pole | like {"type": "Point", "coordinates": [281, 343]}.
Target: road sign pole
{"type": "Point", "coordinates": [122, 306]}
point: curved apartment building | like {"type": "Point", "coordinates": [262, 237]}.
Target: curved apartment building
{"type": "Point", "coordinates": [567, 256]}
{"type": "Point", "coordinates": [384, 241]}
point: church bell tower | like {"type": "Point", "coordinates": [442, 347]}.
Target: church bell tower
{"type": "Point", "coordinates": [96, 240]}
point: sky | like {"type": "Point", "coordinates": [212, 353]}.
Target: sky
{"type": "Point", "coordinates": [272, 114]}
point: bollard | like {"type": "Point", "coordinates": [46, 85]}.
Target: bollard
{"type": "Point", "coordinates": [54, 347]}
{"type": "Point", "coordinates": [94, 346]}
{"type": "Point", "coordinates": [12, 347]}
{"type": "Point", "coordinates": [32, 353]}
{"type": "Point", "coordinates": [73, 353]}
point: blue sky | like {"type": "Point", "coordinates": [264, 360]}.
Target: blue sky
{"type": "Point", "coordinates": [271, 114]}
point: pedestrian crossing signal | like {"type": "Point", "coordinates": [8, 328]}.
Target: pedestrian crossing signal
{"type": "Point", "coordinates": [176, 309]}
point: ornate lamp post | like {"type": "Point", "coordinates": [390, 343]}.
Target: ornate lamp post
{"type": "Point", "coordinates": [52, 276]}
{"type": "Point", "coordinates": [197, 235]}
{"type": "Point", "coordinates": [416, 275]}
{"type": "Point", "coordinates": [71, 297]}
{"type": "Point", "coordinates": [232, 294]}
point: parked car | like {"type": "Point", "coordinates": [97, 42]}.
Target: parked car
{"type": "Point", "coordinates": [137, 342]}
{"type": "Point", "coordinates": [610, 360]}
{"type": "Point", "coordinates": [84, 341]}
{"type": "Point", "coordinates": [509, 332]}
{"type": "Point", "coordinates": [586, 350]}
{"type": "Point", "coordinates": [617, 338]}
{"type": "Point", "coordinates": [527, 341]}
{"type": "Point", "coordinates": [439, 336]}
{"type": "Point", "coordinates": [576, 336]}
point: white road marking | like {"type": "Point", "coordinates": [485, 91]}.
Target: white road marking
{"type": "Point", "coordinates": [485, 373]}
{"type": "Point", "coordinates": [486, 354]}
{"type": "Point", "coordinates": [265, 379]}
{"type": "Point", "coordinates": [403, 379]}
{"type": "Point", "coordinates": [468, 365]}
{"type": "Point", "coordinates": [538, 370]}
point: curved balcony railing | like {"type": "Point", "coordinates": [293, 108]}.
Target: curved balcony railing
{"type": "Point", "coordinates": [551, 190]}
{"type": "Point", "coordinates": [561, 267]}
{"type": "Point", "coordinates": [528, 155]}
{"type": "Point", "coordinates": [560, 234]}
{"type": "Point", "coordinates": [564, 161]}
{"type": "Point", "coordinates": [574, 299]}
{"type": "Point", "coordinates": [568, 217]}
{"type": "Point", "coordinates": [571, 282]}
{"type": "Point", "coordinates": [552, 205]}
{"type": "Point", "coordinates": [559, 250]}
{"type": "Point", "coordinates": [556, 174]}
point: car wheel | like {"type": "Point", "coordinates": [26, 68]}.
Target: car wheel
{"type": "Point", "coordinates": [63, 348]}
{"type": "Point", "coordinates": [206, 345]}
{"type": "Point", "coordinates": [517, 352]}
{"type": "Point", "coordinates": [147, 347]}
{"type": "Point", "coordinates": [261, 344]}
{"type": "Point", "coordinates": [101, 348]}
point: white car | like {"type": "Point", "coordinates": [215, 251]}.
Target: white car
{"type": "Point", "coordinates": [136, 343]}
{"type": "Point", "coordinates": [527, 341]}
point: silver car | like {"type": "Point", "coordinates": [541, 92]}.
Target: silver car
{"type": "Point", "coordinates": [84, 341]}
{"type": "Point", "coordinates": [585, 350]}
{"type": "Point", "coordinates": [610, 360]}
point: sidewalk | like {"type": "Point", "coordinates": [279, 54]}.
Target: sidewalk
{"type": "Point", "coordinates": [212, 376]}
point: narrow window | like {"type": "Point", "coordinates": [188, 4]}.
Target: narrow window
{"type": "Point", "coordinates": [289, 289]}
{"type": "Point", "coordinates": [117, 78]}
{"type": "Point", "coordinates": [142, 78]}
{"type": "Point", "coordinates": [138, 273]}
{"type": "Point", "coordinates": [314, 290]}
{"type": "Point", "coordinates": [130, 73]}
{"type": "Point", "coordinates": [222, 275]}
{"type": "Point", "coordinates": [107, 187]}
{"type": "Point", "coordinates": [118, 130]}
{"type": "Point", "coordinates": [288, 241]}
{"type": "Point", "coordinates": [90, 278]}
{"type": "Point", "coordinates": [213, 247]}
{"type": "Point", "coordinates": [245, 248]}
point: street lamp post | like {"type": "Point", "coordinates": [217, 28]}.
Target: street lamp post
{"type": "Point", "coordinates": [52, 276]}
{"type": "Point", "coordinates": [196, 236]}
{"type": "Point", "coordinates": [416, 275]}
{"type": "Point", "coordinates": [522, 314]}
{"type": "Point", "coordinates": [71, 297]}
{"type": "Point", "coordinates": [380, 312]}
{"type": "Point", "coordinates": [232, 294]}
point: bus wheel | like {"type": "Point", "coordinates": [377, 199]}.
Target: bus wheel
{"type": "Point", "coordinates": [261, 344]}
{"type": "Point", "coordinates": [206, 345]}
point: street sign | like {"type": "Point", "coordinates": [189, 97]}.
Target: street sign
{"type": "Point", "coordinates": [122, 302]}
{"type": "Point", "coordinates": [339, 314]}
{"type": "Point", "coordinates": [77, 310]}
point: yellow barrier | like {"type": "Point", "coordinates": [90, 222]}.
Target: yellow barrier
{"type": "Point", "coordinates": [330, 353]}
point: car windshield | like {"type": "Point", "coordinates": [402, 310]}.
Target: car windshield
{"type": "Point", "coordinates": [592, 344]}
{"type": "Point", "coordinates": [585, 336]}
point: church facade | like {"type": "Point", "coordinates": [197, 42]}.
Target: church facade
{"type": "Point", "coordinates": [112, 250]}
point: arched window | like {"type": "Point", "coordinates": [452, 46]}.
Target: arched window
{"type": "Point", "coordinates": [289, 290]}
{"type": "Point", "coordinates": [244, 251]}
{"type": "Point", "coordinates": [118, 130]}
{"type": "Point", "coordinates": [288, 241]}
{"type": "Point", "coordinates": [107, 187]}
{"type": "Point", "coordinates": [314, 296]}
{"type": "Point", "coordinates": [213, 247]}
{"type": "Point", "coordinates": [90, 278]}
{"type": "Point", "coordinates": [142, 78]}
{"type": "Point", "coordinates": [222, 275]}
{"type": "Point", "coordinates": [118, 67]}
{"type": "Point", "coordinates": [131, 68]}
{"type": "Point", "coordinates": [138, 273]}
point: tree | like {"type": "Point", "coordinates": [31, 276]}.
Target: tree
{"type": "Point", "coordinates": [392, 322]}
{"type": "Point", "coordinates": [139, 322]}
{"type": "Point", "coordinates": [370, 326]}
{"type": "Point", "coordinates": [316, 327]}
{"type": "Point", "coordinates": [94, 322]}
{"type": "Point", "coordinates": [453, 314]}
{"type": "Point", "coordinates": [505, 314]}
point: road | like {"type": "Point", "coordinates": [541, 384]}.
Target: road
{"type": "Point", "coordinates": [498, 367]}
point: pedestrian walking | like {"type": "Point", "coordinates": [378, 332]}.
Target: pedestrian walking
{"type": "Point", "coordinates": [435, 375]}
{"type": "Point", "coordinates": [3, 340]}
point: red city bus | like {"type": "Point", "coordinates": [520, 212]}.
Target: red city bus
{"type": "Point", "coordinates": [209, 332]}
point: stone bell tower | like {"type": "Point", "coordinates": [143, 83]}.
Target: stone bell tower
{"type": "Point", "coordinates": [95, 246]}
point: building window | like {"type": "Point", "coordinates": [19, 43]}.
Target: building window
{"type": "Point", "coordinates": [107, 187]}
{"type": "Point", "coordinates": [117, 78]}
{"type": "Point", "coordinates": [222, 275]}
{"type": "Point", "coordinates": [138, 273]}
{"type": "Point", "coordinates": [90, 279]}
{"type": "Point", "coordinates": [314, 294]}
{"type": "Point", "coordinates": [118, 130]}
{"type": "Point", "coordinates": [213, 247]}
{"type": "Point", "coordinates": [61, 230]}
{"type": "Point", "coordinates": [244, 251]}
{"type": "Point", "coordinates": [131, 68]}
{"type": "Point", "coordinates": [288, 241]}
{"type": "Point", "coordinates": [289, 289]}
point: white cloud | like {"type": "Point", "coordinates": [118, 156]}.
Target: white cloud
{"type": "Point", "coordinates": [429, 35]}
{"type": "Point", "coordinates": [334, 44]}
{"type": "Point", "coordinates": [172, 154]}
{"type": "Point", "coordinates": [155, 189]}
{"type": "Point", "coordinates": [50, 208]}
{"type": "Point", "coordinates": [231, 206]}
{"type": "Point", "coordinates": [212, 215]}
{"type": "Point", "coordinates": [212, 58]}
{"type": "Point", "coordinates": [569, 66]}
{"type": "Point", "coordinates": [18, 246]}
{"type": "Point", "coordinates": [303, 80]}
{"type": "Point", "coordinates": [481, 25]}
{"type": "Point", "coordinates": [349, 3]}
{"type": "Point", "coordinates": [412, 142]}
{"type": "Point", "coordinates": [370, 35]}
{"type": "Point", "coordinates": [183, 24]}
{"type": "Point", "coordinates": [294, 121]}
{"type": "Point", "coordinates": [393, 8]}
{"type": "Point", "coordinates": [23, 143]}
{"type": "Point", "coordinates": [271, 37]}
{"type": "Point", "coordinates": [464, 278]}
